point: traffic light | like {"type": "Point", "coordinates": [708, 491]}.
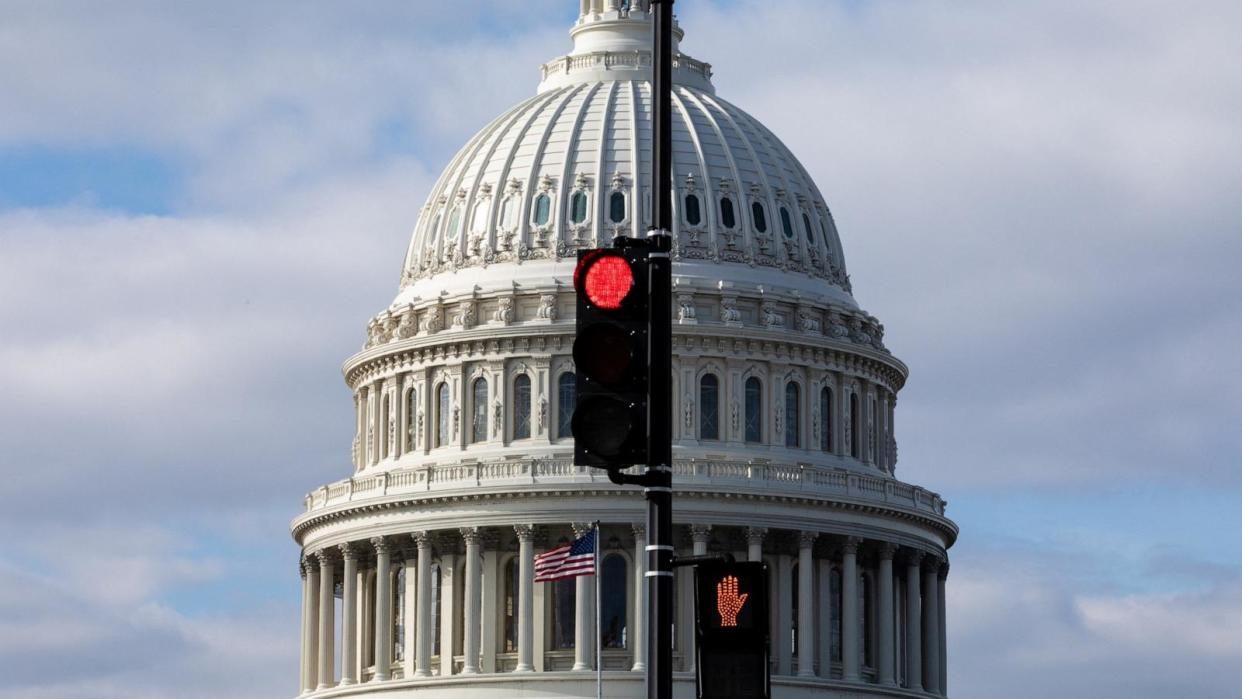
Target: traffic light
{"type": "Point", "coordinates": [731, 623]}
{"type": "Point", "coordinates": [610, 358]}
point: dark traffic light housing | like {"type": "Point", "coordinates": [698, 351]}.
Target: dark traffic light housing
{"type": "Point", "coordinates": [731, 624]}
{"type": "Point", "coordinates": [610, 358]}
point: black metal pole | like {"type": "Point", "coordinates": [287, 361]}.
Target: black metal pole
{"type": "Point", "coordinates": [659, 491]}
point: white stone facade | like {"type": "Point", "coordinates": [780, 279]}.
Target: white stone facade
{"type": "Point", "coordinates": [417, 570]}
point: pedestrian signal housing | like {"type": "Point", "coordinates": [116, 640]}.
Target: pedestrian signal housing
{"type": "Point", "coordinates": [731, 623]}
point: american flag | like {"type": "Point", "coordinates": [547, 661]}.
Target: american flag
{"type": "Point", "coordinates": [568, 561]}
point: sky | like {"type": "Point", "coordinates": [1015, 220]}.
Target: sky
{"type": "Point", "coordinates": [202, 204]}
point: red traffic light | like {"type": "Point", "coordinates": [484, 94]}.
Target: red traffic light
{"type": "Point", "coordinates": [606, 279]}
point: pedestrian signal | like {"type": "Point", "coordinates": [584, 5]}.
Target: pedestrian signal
{"type": "Point", "coordinates": [731, 624]}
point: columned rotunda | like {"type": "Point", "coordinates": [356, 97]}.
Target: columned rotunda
{"type": "Point", "coordinates": [417, 570]}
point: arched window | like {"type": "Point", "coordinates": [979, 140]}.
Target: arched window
{"type": "Point", "coordinates": [564, 594]}
{"type": "Point", "coordinates": [727, 218]}
{"type": "Point", "coordinates": [855, 425]}
{"type": "Point", "coordinates": [442, 415]}
{"type": "Point", "coordinates": [543, 209]}
{"type": "Point", "coordinates": [806, 227]}
{"type": "Point", "coordinates": [825, 419]}
{"type": "Point", "coordinates": [793, 417]}
{"type": "Point", "coordinates": [786, 224]}
{"type": "Point", "coordinates": [565, 392]}
{"type": "Point", "coordinates": [478, 399]}
{"type": "Point", "coordinates": [411, 420]}
{"type": "Point", "coordinates": [834, 603]}
{"type": "Point", "coordinates": [612, 628]}
{"type": "Point", "coordinates": [616, 207]}
{"type": "Point", "coordinates": [385, 447]}
{"type": "Point", "coordinates": [760, 217]}
{"type": "Point", "coordinates": [521, 407]}
{"type": "Point", "coordinates": [709, 407]}
{"type": "Point", "coordinates": [578, 207]}
{"type": "Point", "coordinates": [433, 231]}
{"type": "Point", "coordinates": [509, 642]}
{"type": "Point", "coordinates": [693, 215]}
{"type": "Point", "coordinates": [754, 410]}
{"type": "Point", "coordinates": [453, 224]}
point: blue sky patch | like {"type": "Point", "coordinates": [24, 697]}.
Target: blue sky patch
{"type": "Point", "coordinates": [116, 178]}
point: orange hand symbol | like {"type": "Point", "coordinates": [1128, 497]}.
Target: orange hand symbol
{"type": "Point", "coordinates": [728, 601]}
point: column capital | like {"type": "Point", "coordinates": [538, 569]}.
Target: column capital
{"type": "Point", "coordinates": [422, 539]}
{"type": "Point", "coordinates": [887, 550]}
{"type": "Point", "coordinates": [914, 557]}
{"type": "Point", "coordinates": [470, 535]}
{"type": "Point", "coordinates": [944, 569]}
{"type": "Point", "coordinates": [325, 557]}
{"type": "Point", "coordinates": [382, 545]}
{"type": "Point", "coordinates": [755, 535]}
{"type": "Point", "coordinates": [525, 532]}
{"type": "Point", "coordinates": [581, 529]}
{"type": "Point", "coordinates": [931, 563]}
{"type": "Point", "coordinates": [807, 539]}
{"type": "Point", "coordinates": [849, 545]}
{"type": "Point", "coordinates": [303, 564]}
{"type": "Point", "coordinates": [349, 551]}
{"type": "Point", "coordinates": [640, 530]}
{"type": "Point", "coordinates": [700, 533]}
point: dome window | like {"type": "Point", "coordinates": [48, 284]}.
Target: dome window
{"type": "Point", "coordinates": [693, 215]}
{"type": "Point", "coordinates": [786, 224]}
{"type": "Point", "coordinates": [727, 217]}
{"type": "Point", "coordinates": [543, 209]}
{"type": "Point", "coordinates": [578, 207]}
{"type": "Point", "coordinates": [792, 414]}
{"type": "Point", "coordinates": [806, 226]}
{"type": "Point", "coordinates": [754, 409]}
{"type": "Point", "coordinates": [760, 217]}
{"type": "Point", "coordinates": [616, 207]}
{"type": "Point", "coordinates": [521, 407]}
{"type": "Point", "coordinates": [566, 390]}
{"type": "Point", "coordinates": [709, 407]}
{"type": "Point", "coordinates": [454, 223]}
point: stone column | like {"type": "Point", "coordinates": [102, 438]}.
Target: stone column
{"type": "Point", "coordinates": [450, 569]}
{"type": "Point", "coordinates": [377, 437]}
{"type": "Point", "coordinates": [806, 604]}
{"type": "Point", "coordinates": [700, 535]}
{"type": "Point", "coordinates": [850, 625]}
{"type": "Point", "coordinates": [526, 597]}
{"type": "Point", "coordinates": [471, 596]}
{"type": "Point", "coordinates": [423, 627]}
{"type": "Point", "coordinates": [782, 641]}
{"type": "Point", "coordinates": [931, 625]}
{"type": "Point", "coordinates": [310, 623]}
{"type": "Point", "coordinates": [886, 670]}
{"type": "Point", "coordinates": [914, 631]}
{"type": "Point", "coordinates": [584, 647]}
{"type": "Point", "coordinates": [754, 543]}
{"type": "Point", "coordinates": [639, 623]}
{"type": "Point", "coordinates": [349, 610]}
{"type": "Point", "coordinates": [383, 609]}
{"type": "Point", "coordinates": [327, 615]}
{"type": "Point", "coordinates": [944, 641]}
{"type": "Point", "coordinates": [409, 613]}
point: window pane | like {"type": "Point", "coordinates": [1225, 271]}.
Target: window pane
{"type": "Point", "coordinates": [479, 398]}
{"type": "Point", "coordinates": [563, 594]}
{"type": "Point", "coordinates": [786, 224]}
{"type": "Point", "coordinates": [727, 218]}
{"type": "Point", "coordinates": [834, 596]}
{"type": "Point", "coordinates": [692, 210]}
{"type": "Point", "coordinates": [616, 207]}
{"type": "Point", "coordinates": [510, 640]}
{"type": "Point", "coordinates": [442, 415]}
{"type": "Point", "coordinates": [825, 418]}
{"type": "Point", "coordinates": [754, 405]}
{"type": "Point", "coordinates": [411, 422]}
{"type": "Point", "coordinates": [854, 425]}
{"type": "Point", "coordinates": [792, 415]}
{"type": "Point", "coordinates": [709, 407]}
{"type": "Point", "coordinates": [806, 226]}
{"type": "Point", "coordinates": [521, 407]}
{"type": "Point", "coordinates": [454, 222]}
{"type": "Point", "coordinates": [565, 405]}
{"type": "Point", "coordinates": [578, 207]}
{"type": "Point", "coordinates": [543, 205]}
{"type": "Point", "coordinates": [761, 219]}
{"type": "Point", "coordinates": [612, 630]}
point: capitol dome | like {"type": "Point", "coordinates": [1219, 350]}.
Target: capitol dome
{"type": "Point", "coordinates": [418, 568]}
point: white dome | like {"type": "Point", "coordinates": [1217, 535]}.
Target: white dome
{"type": "Point", "coordinates": [570, 168]}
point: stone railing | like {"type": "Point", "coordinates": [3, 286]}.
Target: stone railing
{"type": "Point", "coordinates": [739, 476]}
{"type": "Point", "coordinates": [619, 59]}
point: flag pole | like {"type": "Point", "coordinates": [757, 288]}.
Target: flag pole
{"type": "Point", "coordinates": [599, 665]}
